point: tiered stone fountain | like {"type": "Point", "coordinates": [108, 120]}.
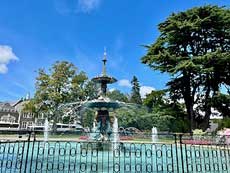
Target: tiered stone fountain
{"type": "Point", "coordinates": [104, 132]}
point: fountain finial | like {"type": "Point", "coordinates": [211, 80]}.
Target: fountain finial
{"type": "Point", "coordinates": [104, 62]}
{"type": "Point", "coordinates": [104, 79]}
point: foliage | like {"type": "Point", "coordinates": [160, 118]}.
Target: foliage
{"type": "Point", "coordinates": [61, 85]}
{"type": "Point", "coordinates": [222, 103]}
{"type": "Point", "coordinates": [29, 107]}
{"type": "Point", "coordinates": [88, 118]}
{"type": "Point", "coordinates": [128, 117]}
{"type": "Point", "coordinates": [198, 132]}
{"type": "Point", "coordinates": [157, 111]}
{"type": "Point", "coordinates": [154, 98]}
{"type": "Point", "coordinates": [223, 123]}
{"type": "Point", "coordinates": [91, 90]}
{"type": "Point", "coordinates": [117, 95]}
{"type": "Point", "coordinates": [170, 116]}
{"type": "Point", "coordinates": [135, 93]}
{"type": "Point", "coordinates": [166, 118]}
{"type": "Point", "coordinates": [193, 47]}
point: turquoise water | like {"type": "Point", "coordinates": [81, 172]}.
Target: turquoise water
{"type": "Point", "coordinates": [85, 157]}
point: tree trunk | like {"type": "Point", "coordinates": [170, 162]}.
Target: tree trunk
{"type": "Point", "coordinates": [188, 99]}
{"type": "Point", "coordinates": [54, 127]}
{"type": "Point", "coordinates": [207, 107]}
{"type": "Point", "coordinates": [189, 109]}
{"type": "Point", "coordinates": [55, 121]}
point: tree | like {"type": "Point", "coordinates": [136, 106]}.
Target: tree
{"type": "Point", "coordinates": [30, 107]}
{"type": "Point", "coordinates": [61, 85]}
{"type": "Point", "coordinates": [193, 47]}
{"type": "Point", "coordinates": [88, 118]}
{"type": "Point", "coordinates": [135, 93]}
{"type": "Point", "coordinates": [130, 117]}
{"type": "Point", "coordinates": [166, 114]}
{"type": "Point", "coordinates": [117, 95]}
{"type": "Point", "coordinates": [77, 87]}
{"type": "Point", "coordinates": [155, 98]}
{"type": "Point", "coordinates": [222, 103]}
{"type": "Point", "coordinates": [91, 90]}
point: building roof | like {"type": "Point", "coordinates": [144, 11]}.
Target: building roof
{"type": "Point", "coordinates": [6, 106]}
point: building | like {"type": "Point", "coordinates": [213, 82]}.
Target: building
{"type": "Point", "coordinates": [11, 116]}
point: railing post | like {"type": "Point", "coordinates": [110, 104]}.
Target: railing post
{"type": "Point", "coordinates": [32, 154]}
{"type": "Point", "coordinates": [177, 160]}
{"type": "Point", "coordinates": [27, 154]}
{"type": "Point", "coordinates": [181, 152]}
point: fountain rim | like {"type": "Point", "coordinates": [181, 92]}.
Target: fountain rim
{"type": "Point", "coordinates": [104, 78]}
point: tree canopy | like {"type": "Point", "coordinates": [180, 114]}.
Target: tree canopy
{"type": "Point", "coordinates": [193, 47]}
{"type": "Point", "coordinates": [117, 95]}
{"type": "Point", "coordinates": [62, 84]}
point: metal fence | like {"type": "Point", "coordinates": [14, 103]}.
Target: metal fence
{"type": "Point", "coordinates": [171, 153]}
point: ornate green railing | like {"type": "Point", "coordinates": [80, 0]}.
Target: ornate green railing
{"type": "Point", "coordinates": [179, 154]}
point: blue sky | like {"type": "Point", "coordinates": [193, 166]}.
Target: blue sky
{"type": "Point", "coordinates": [34, 34]}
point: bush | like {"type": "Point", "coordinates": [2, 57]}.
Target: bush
{"type": "Point", "coordinates": [223, 123]}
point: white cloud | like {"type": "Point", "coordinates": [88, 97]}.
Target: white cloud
{"type": "Point", "coordinates": [87, 6]}
{"type": "Point", "coordinates": [3, 68]}
{"type": "Point", "coordinates": [69, 7]}
{"type": "Point", "coordinates": [124, 83]}
{"type": "Point", "coordinates": [112, 89]}
{"type": "Point", "coordinates": [6, 55]}
{"type": "Point", "coordinates": [145, 90]}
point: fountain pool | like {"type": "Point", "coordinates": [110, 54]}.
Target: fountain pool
{"type": "Point", "coordinates": [57, 156]}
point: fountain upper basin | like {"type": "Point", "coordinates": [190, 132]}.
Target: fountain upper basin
{"type": "Point", "coordinates": [103, 102]}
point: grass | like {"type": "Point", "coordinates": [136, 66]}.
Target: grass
{"type": "Point", "coordinates": [76, 137]}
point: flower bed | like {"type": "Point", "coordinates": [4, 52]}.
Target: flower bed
{"type": "Point", "coordinates": [196, 142]}
{"type": "Point", "coordinates": [126, 138]}
{"type": "Point", "coordinates": [83, 137]}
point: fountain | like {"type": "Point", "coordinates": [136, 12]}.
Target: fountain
{"type": "Point", "coordinates": [104, 152]}
{"type": "Point", "coordinates": [46, 130]}
{"type": "Point", "coordinates": [115, 134]}
{"type": "Point", "coordinates": [102, 126]}
{"type": "Point", "coordinates": [154, 135]}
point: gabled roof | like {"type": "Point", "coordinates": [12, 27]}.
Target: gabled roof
{"type": "Point", "coordinates": [6, 106]}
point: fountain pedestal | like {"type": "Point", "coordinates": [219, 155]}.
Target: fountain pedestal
{"type": "Point", "coordinates": [101, 137]}
{"type": "Point", "coordinates": [99, 146]}
{"type": "Point", "coordinates": [103, 129]}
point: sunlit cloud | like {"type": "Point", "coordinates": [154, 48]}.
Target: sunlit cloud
{"type": "Point", "coordinates": [125, 83]}
{"type": "Point", "coordinates": [86, 6]}
{"type": "Point", "coordinates": [144, 90]}
{"type": "Point", "coordinates": [6, 56]}
{"type": "Point", "coordinates": [66, 7]}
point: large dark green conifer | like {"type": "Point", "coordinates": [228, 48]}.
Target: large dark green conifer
{"type": "Point", "coordinates": [194, 48]}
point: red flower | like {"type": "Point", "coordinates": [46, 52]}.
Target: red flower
{"type": "Point", "coordinates": [126, 138]}
{"type": "Point", "coordinates": [83, 137]}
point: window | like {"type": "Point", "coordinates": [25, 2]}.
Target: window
{"type": "Point", "coordinates": [29, 115]}
{"type": "Point", "coordinates": [8, 118]}
{"type": "Point", "coordinates": [24, 124]}
{"type": "Point", "coordinates": [40, 116]}
{"type": "Point", "coordinates": [30, 123]}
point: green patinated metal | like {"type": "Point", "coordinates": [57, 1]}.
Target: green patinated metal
{"type": "Point", "coordinates": [103, 105]}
